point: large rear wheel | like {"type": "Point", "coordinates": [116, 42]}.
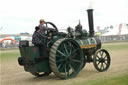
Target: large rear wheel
{"type": "Point", "coordinates": [66, 58]}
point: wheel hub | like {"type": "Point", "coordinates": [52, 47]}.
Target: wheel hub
{"type": "Point", "coordinates": [68, 58]}
{"type": "Point", "coordinates": [101, 60]}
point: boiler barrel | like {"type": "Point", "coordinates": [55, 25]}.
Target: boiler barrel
{"type": "Point", "coordinates": [88, 43]}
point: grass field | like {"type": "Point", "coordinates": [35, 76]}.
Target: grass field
{"type": "Point", "coordinates": [9, 55]}
{"type": "Point", "coordinates": [119, 80]}
{"type": "Point", "coordinates": [116, 46]}
{"type": "Point", "coordinates": [116, 75]}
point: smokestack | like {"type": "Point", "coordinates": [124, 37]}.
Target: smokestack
{"type": "Point", "coordinates": [90, 21]}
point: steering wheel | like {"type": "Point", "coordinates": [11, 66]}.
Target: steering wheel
{"type": "Point", "coordinates": [53, 25]}
{"type": "Point", "coordinates": [51, 32]}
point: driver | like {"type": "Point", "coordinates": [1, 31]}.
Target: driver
{"type": "Point", "coordinates": [43, 29]}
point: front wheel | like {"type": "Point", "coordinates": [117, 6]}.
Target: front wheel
{"type": "Point", "coordinates": [101, 60]}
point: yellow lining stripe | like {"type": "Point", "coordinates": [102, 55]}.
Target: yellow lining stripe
{"type": "Point", "coordinates": [81, 42]}
{"type": "Point", "coordinates": [89, 42]}
{"type": "Point", "coordinates": [88, 46]}
{"type": "Point", "coordinates": [94, 40]}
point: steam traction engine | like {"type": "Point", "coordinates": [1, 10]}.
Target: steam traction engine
{"type": "Point", "coordinates": [67, 52]}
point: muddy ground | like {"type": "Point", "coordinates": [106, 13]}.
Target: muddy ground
{"type": "Point", "coordinates": [13, 74]}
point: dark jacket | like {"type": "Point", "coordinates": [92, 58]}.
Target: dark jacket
{"type": "Point", "coordinates": [38, 38]}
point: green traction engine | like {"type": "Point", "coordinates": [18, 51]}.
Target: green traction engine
{"type": "Point", "coordinates": [67, 53]}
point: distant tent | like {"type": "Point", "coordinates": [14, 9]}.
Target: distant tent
{"type": "Point", "coordinates": [121, 29]}
{"type": "Point", "coordinates": [8, 39]}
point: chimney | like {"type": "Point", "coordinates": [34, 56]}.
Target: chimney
{"type": "Point", "coordinates": [90, 21]}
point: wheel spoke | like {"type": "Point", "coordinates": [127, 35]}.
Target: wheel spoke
{"type": "Point", "coordinates": [63, 66]}
{"type": "Point", "coordinates": [59, 66]}
{"type": "Point", "coordinates": [61, 53]}
{"type": "Point", "coordinates": [70, 44]}
{"type": "Point", "coordinates": [98, 63]}
{"type": "Point", "coordinates": [58, 56]}
{"type": "Point", "coordinates": [101, 53]}
{"type": "Point", "coordinates": [72, 68]}
{"type": "Point", "coordinates": [74, 60]}
{"type": "Point", "coordinates": [97, 56]}
{"type": "Point", "coordinates": [61, 60]}
{"type": "Point", "coordinates": [97, 60]}
{"type": "Point", "coordinates": [106, 59]}
{"type": "Point", "coordinates": [105, 56]}
{"type": "Point", "coordinates": [68, 69]}
{"type": "Point", "coordinates": [105, 63]}
{"type": "Point", "coordinates": [65, 70]}
{"type": "Point", "coordinates": [101, 66]}
{"type": "Point", "coordinates": [66, 49]}
{"type": "Point", "coordinates": [70, 50]}
{"type": "Point", "coordinates": [74, 51]}
{"type": "Point", "coordinates": [74, 55]}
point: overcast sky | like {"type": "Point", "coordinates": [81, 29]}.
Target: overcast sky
{"type": "Point", "coordinates": [18, 16]}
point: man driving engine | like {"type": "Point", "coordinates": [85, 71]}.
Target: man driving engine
{"type": "Point", "coordinates": [43, 29]}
